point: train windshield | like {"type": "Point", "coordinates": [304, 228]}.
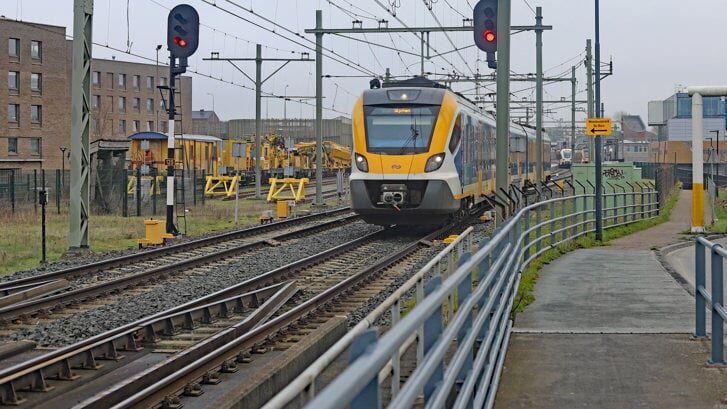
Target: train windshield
{"type": "Point", "coordinates": [400, 130]}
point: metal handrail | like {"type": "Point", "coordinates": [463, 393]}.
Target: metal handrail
{"type": "Point", "coordinates": [305, 382]}
{"type": "Point", "coordinates": [715, 299]}
{"type": "Point", "coordinates": [484, 288]}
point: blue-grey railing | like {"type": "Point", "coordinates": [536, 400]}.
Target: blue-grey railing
{"type": "Point", "coordinates": [715, 299]}
{"type": "Point", "coordinates": [463, 350]}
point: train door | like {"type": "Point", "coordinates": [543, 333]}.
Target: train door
{"type": "Point", "coordinates": [470, 150]}
{"type": "Point", "coordinates": [455, 140]}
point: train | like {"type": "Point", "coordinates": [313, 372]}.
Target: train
{"type": "Point", "coordinates": [566, 158]}
{"type": "Point", "coordinates": [423, 154]}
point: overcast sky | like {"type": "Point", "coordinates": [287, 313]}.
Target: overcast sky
{"type": "Point", "coordinates": [657, 46]}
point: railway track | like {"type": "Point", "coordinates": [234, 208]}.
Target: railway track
{"type": "Point", "coordinates": [84, 284]}
{"type": "Point", "coordinates": [321, 284]}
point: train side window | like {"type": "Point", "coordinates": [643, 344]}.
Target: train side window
{"type": "Point", "coordinates": [456, 134]}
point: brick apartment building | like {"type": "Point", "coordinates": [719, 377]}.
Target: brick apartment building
{"type": "Point", "coordinates": [124, 98]}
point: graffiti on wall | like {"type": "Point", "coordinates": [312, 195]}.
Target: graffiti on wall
{"type": "Point", "coordinates": [613, 174]}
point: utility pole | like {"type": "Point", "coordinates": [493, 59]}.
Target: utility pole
{"type": "Point", "coordinates": [589, 86]}
{"type": "Point", "coordinates": [502, 121]}
{"type": "Point", "coordinates": [599, 183]}
{"type": "Point", "coordinates": [539, 96]}
{"type": "Point", "coordinates": [80, 122]}
{"type": "Point", "coordinates": [573, 110]}
{"type": "Point", "coordinates": [259, 81]}
{"type": "Point", "coordinates": [319, 108]}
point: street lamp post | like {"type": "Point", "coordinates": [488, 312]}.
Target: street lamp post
{"type": "Point", "coordinates": [716, 179]}
{"type": "Point", "coordinates": [213, 100]}
{"type": "Point", "coordinates": [156, 81]}
{"type": "Point", "coordinates": [215, 133]}
{"type": "Point", "coordinates": [63, 164]}
{"type": "Point", "coordinates": [285, 117]}
{"type": "Point", "coordinates": [710, 158]}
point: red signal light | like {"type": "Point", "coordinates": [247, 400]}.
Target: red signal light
{"type": "Point", "coordinates": [180, 42]}
{"type": "Point", "coordinates": [489, 36]}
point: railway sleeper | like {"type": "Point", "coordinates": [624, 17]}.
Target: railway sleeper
{"type": "Point", "coordinates": [33, 382]}
{"type": "Point", "coordinates": [8, 396]}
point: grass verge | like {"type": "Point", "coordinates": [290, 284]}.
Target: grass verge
{"type": "Point", "coordinates": [21, 238]}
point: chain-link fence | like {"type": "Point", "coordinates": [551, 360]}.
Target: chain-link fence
{"type": "Point", "coordinates": [19, 189]}
{"type": "Point", "coordinates": [119, 192]}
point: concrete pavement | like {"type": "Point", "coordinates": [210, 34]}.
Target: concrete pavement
{"type": "Point", "coordinates": [611, 328]}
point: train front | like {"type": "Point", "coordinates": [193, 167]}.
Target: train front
{"type": "Point", "coordinates": [403, 172]}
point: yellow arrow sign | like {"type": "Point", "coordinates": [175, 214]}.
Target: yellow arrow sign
{"type": "Point", "coordinates": [598, 126]}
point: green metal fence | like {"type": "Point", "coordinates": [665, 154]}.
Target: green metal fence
{"type": "Point", "coordinates": [123, 192]}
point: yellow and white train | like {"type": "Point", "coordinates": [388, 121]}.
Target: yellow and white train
{"type": "Point", "coordinates": [424, 154]}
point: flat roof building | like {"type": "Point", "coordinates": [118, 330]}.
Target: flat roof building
{"type": "Point", "coordinates": [672, 117]}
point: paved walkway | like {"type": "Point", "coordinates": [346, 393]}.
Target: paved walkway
{"type": "Point", "coordinates": [611, 328]}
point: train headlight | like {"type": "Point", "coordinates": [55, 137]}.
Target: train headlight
{"type": "Point", "coordinates": [434, 162]}
{"type": "Point", "coordinates": [361, 163]}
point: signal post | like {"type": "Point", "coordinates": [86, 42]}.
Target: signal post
{"type": "Point", "coordinates": [182, 42]}
{"type": "Point", "coordinates": [489, 18]}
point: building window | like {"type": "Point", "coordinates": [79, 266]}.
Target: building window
{"type": "Point", "coordinates": [135, 81]}
{"type": "Point", "coordinates": [35, 146]}
{"type": "Point", "coordinates": [36, 114]}
{"type": "Point", "coordinates": [14, 80]}
{"type": "Point", "coordinates": [36, 50]}
{"type": "Point", "coordinates": [36, 81]}
{"type": "Point", "coordinates": [122, 126]}
{"type": "Point", "coordinates": [163, 126]}
{"type": "Point", "coordinates": [110, 105]}
{"type": "Point", "coordinates": [149, 104]}
{"type": "Point", "coordinates": [163, 81]}
{"type": "Point", "coordinates": [135, 104]}
{"type": "Point", "coordinates": [13, 145]}
{"type": "Point", "coordinates": [96, 127]}
{"type": "Point", "coordinates": [14, 47]}
{"type": "Point", "coordinates": [122, 81]}
{"type": "Point", "coordinates": [135, 126]}
{"type": "Point", "coordinates": [711, 107]}
{"type": "Point", "coordinates": [96, 102]}
{"type": "Point", "coordinates": [13, 112]}
{"type": "Point", "coordinates": [110, 76]}
{"type": "Point", "coordinates": [122, 104]}
{"type": "Point", "coordinates": [96, 78]}
{"type": "Point", "coordinates": [149, 82]}
{"type": "Point", "coordinates": [150, 126]}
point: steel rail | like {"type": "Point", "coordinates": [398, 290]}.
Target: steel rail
{"type": "Point", "coordinates": [59, 364]}
{"type": "Point", "coordinates": [220, 353]}
{"type": "Point", "coordinates": [152, 254]}
{"type": "Point", "coordinates": [47, 304]}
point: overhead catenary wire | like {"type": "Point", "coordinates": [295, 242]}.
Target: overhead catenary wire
{"type": "Point", "coordinates": [353, 10]}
